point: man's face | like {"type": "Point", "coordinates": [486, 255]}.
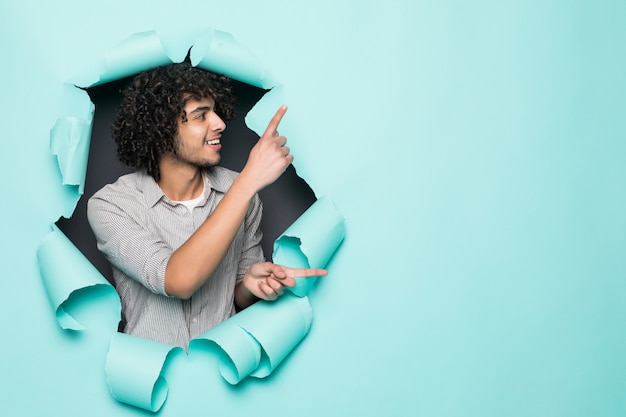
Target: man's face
{"type": "Point", "coordinates": [198, 139]}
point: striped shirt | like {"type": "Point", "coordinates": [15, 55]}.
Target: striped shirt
{"type": "Point", "coordinates": [137, 228]}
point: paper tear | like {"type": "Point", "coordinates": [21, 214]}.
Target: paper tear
{"type": "Point", "coordinates": [256, 340]}
{"type": "Point", "coordinates": [251, 341]}
{"type": "Point", "coordinates": [241, 353]}
{"type": "Point", "coordinates": [310, 241]}
{"type": "Point", "coordinates": [69, 141]}
{"type": "Point", "coordinates": [220, 52]}
{"type": "Point", "coordinates": [290, 322]}
{"type": "Point", "coordinates": [133, 371]}
{"type": "Point", "coordinates": [139, 52]}
{"type": "Point", "coordinates": [264, 110]}
{"type": "Point", "coordinates": [69, 278]}
{"type": "Point", "coordinates": [70, 138]}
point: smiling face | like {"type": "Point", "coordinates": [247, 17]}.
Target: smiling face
{"type": "Point", "coordinates": [199, 133]}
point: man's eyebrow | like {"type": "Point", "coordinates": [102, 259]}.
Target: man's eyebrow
{"type": "Point", "coordinates": [200, 109]}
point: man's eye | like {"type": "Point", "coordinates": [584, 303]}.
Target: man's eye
{"type": "Point", "coordinates": [200, 116]}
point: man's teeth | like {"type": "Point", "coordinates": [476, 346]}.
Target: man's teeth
{"type": "Point", "coordinates": [212, 142]}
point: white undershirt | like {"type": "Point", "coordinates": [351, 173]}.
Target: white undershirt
{"type": "Point", "coordinates": [191, 204]}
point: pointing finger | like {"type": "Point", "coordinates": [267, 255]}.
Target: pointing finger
{"type": "Point", "coordinates": [272, 127]}
{"type": "Point", "coordinates": [306, 272]}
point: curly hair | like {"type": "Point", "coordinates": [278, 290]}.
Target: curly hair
{"type": "Point", "coordinates": [146, 123]}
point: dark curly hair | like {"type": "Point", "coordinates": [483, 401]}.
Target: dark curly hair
{"type": "Point", "coordinates": [146, 123]}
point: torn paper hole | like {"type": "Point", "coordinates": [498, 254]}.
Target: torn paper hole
{"type": "Point", "coordinates": [252, 343]}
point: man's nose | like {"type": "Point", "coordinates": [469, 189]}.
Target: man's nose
{"type": "Point", "coordinates": [217, 124]}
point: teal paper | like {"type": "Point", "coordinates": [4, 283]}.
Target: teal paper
{"type": "Point", "coordinates": [475, 149]}
{"type": "Point", "coordinates": [219, 52]}
{"type": "Point", "coordinates": [139, 52]}
{"type": "Point", "coordinates": [265, 109]}
{"type": "Point", "coordinates": [70, 138]}
{"type": "Point", "coordinates": [256, 340]}
{"type": "Point", "coordinates": [279, 326]}
{"type": "Point", "coordinates": [241, 352]}
{"type": "Point", "coordinates": [69, 278]}
{"type": "Point", "coordinates": [310, 241]}
{"type": "Point", "coordinates": [133, 371]}
{"type": "Point", "coordinates": [69, 141]}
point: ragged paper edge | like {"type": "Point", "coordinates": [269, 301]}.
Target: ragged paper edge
{"type": "Point", "coordinates": [239, 353]}
{"type": "Point", "coordinates": [134, 368]}
{"type": "Point", "coordinates": [311, 241]}
{"type": "Point", "coordinates": [66, 274]}
{"type": "Point", "coordinates": [219, 52]}
{"type": "Point", "coordinates": [257, 340]}
{"type": "Point", "coordinates": [140, 52]}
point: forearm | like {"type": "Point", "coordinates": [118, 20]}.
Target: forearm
{"type": "Point", "coordinates": [192, 263]}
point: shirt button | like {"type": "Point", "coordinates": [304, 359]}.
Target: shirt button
{"type": "Point", "coordinates": [194, 320]}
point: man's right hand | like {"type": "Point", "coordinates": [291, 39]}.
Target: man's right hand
{"type": "Point", "coordinates": [270, 157]}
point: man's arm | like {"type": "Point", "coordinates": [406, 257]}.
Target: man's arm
{"type": "Point", "coordinates": [193, 262]}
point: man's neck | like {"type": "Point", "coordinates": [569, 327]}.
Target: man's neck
{"type": "Point", "coordinates": [180, 182]}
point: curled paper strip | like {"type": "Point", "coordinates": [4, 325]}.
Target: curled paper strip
{"type": "Point", "coordinates": [311, 241]}
{"type": "Point", "coordinates": [241, 353]}
{"type": "Point", "coordinates": [133, 55]}
{"type": "Point", "coordinates": [278, 327]}
{"type": "Point", "coordinates": [137, 53]}
{"type": "Point", "coordinates": [260, 337]}
{"type": "Point", "coordinates": [253, 342]}
{"type": "Point", "coordinates": [69, 141]}
{"type": "Point", "coordinates": [133, 371]}
{"type": "Point", "coordinates": [219, 52]}
{"type": "Point", "coordinates": [70, 279]}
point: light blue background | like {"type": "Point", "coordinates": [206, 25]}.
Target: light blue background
{"type": "Point", "coordinates": [476, 150]}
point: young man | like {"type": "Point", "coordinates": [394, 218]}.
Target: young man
{"type": "Point", "coordinates": [183, 234]}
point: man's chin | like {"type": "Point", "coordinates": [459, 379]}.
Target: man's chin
{"type": "Point", "coordinates": [208, 164]}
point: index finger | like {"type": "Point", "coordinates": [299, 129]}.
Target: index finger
{"type": "Point", "coordinates": [273, 124]}
{"type": "Point", "coordinates": [306, 272]}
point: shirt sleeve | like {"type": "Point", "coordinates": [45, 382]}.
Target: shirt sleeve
{"type": "Point", "coordinates": [251, 251]}
{"type": "Point", "coordinates": [128, 246]}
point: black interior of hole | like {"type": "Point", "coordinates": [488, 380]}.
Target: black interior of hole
{"type": "Point", "coordinates": [283, 202]}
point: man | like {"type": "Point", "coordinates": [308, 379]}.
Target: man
{"type": "Point", "coordinates": [183, 234]}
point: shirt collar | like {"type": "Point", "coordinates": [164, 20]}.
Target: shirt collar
{"type": "Point", "coordinates": [153, 193]}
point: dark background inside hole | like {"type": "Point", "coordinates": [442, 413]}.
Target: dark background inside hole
{"type": "Point", "coordinates": [283, 202]}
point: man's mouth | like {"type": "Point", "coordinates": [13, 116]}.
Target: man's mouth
{"type": "Point", "coordinates": [212, 142]}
